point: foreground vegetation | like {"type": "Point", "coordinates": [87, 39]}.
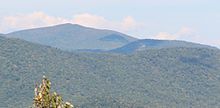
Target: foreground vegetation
{"type": "Point", "coordinates": [169, 77]}
{"type": "Point", "coordinates": [43, 98]}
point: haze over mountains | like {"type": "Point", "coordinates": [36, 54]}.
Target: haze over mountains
{"type": "Point", "coordinates": [73, 37]}
{"type": "Point", "coordinates": [155, 73]}
{"type": "Point", "coordinates": [144, 44]}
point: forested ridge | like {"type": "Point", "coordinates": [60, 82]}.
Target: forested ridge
{"type": "Point", "coordinates": [167, 77]}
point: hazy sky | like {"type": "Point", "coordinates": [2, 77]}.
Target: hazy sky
{"type": "Point", "coordinates": [191, 20]}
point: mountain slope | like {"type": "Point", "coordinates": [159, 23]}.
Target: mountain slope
{"type": "Point", "coordinates": [144, 44]}
{"type": "Point", "coordinates": [166, 77]}
{"type": "Point", "coordinates": [72, 37]}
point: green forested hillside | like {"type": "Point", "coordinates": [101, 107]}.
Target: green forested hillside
{"type": "Point", "coordinates": [155, 78]}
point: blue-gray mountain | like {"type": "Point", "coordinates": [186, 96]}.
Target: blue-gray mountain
{"type": "Point", "coordinates": [73, 37]}
{"type": "Point", "coordinates": [178, 77]}
{"type": "Point", "coordinates": [144, 44]}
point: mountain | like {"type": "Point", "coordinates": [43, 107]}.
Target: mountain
{"type": "Point", "coordinates": [74, 37]}
{"type": "Point", "coordinates": [166, 77]}
{"type": "Point", "coordinates": [144, 44]}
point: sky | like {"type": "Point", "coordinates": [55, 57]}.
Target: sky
{"type": "Point", "coordinates": [189, 20]}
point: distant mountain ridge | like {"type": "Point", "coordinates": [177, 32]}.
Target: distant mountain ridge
{"type": "Point", "coordinates": [1, 38]}
{"type": "Point", "coordinates": [73, 37]}
{"type": "Point", "coordinates": [144, 44]}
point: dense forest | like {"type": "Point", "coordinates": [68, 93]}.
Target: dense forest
{"type": "Point", "coordinates": [167, 77]}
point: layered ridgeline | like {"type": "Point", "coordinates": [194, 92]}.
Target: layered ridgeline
{"type": "Point", "coordinates": [166, 77]}
{"type": "Point", "coordinates": [144, 44]}
{"type": "Point", "coordinates": [74, 37]}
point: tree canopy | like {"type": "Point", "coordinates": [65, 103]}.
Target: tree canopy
{"type": "Point", "coordinates": [43, 98]}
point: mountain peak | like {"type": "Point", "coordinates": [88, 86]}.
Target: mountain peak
{"type": "Point", "coordinates": [69, 25]}
{"type": "Point", "coordinates": [71, 37]}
